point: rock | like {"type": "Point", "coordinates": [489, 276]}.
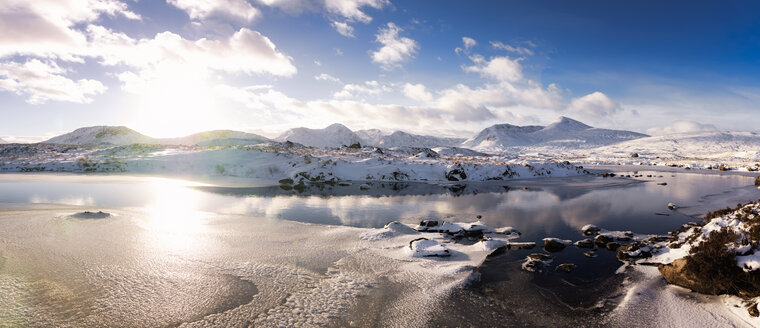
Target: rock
{"type": "Point", "coordinates": [92, 215]}
{"type": "Point", "coordinates": [555, 245]}
{"type": "Point", "coordinates": [672, 206]}
{"type": "Point", "coordinates": [286, 181]}
{"type": "Point", "coordinates": [757, 181]}
{"type": "Point", "coordinates": [590, 230]}
{"type": "Point", "coordinates": [426, 225]}
{"type": "Point", "coordinates": [355, 146]}
{"type": "Point", "coordinates": [423, 247]}
{"type": "Point", "coordinates": [536, 262]}
{"type": "Point", "coordinates": [456, 174]}
{"type": "Point", "coordinates": [612, 246]}
{"type": "Point", "coordinates": [521, 245]}
{"type": "Point", "coordinates": [608, 175]}
{"type": "Point", "coordinates": [634, 155]}
{"type": "Point", "coordinates": [584, 243]}
{"type": "Point", "coordinates": [662, 184]}
{"type": "Point", "coordinates": [602, 240]}
{"type": "Point", "coordinates": [344, 184]}
{"type": "Point", "coordinates": [589, 254]}
{"type": "Point", "coordinates": [364, 186]}
{"type": "Point", "coordinates": [675, 273]}
{"type": "Point", "coordinates": [635, 250]}
{"type": "Point", "coordinates": [566, 267]}
{"type": "Point", "coordinates": [752, 309]}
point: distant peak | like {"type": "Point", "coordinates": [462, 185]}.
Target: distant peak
{"type": "Point", "coordinates": [337, 126]}
{"type": "Point", "coordinates": [567, 122]}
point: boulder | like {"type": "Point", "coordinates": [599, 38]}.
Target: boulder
{"type": "Point", "coordinates": [590, 230]}
{"type": "Point", "coordinates": [612, 246]}
{"type": "Point", "coordinates": [536, 262]}
{"type": "Point", "coordinates": [553, 245]}
{"type": "Point", "coordinates": [456, 174]}
{"type": "Point", "coordinates": [423, 247]}
{"type": "Point", "coordinates": [584, 243]}
{"type": "Point", "coordinates": [566, 267]}
{"type": "Point", "coordinates": [591, 254]}
{"type": "Point", "coordinates": [752, 309]}
{"type": "Point", "coordinates": [602, 240]}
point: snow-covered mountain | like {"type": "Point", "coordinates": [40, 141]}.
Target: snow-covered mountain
{"type": "Point", "coordinates": [216, 138]}
{"type": "Point", "coordinates": [371, 136]}
{"type": "Point", "coordinates": [120, 136]}
{"type": "Point", "coordinates": [712, 145]}
{"type": "Point", "coordinates": [403, 139]}
{"type": "Point", "coordinates": [101, 135]}
{"type": "Point", "coordinates": [335, 135]}
{"type": "Point", "coordinates": [564, 133]}
{"type": "Point", "coordinates": [3, 141]}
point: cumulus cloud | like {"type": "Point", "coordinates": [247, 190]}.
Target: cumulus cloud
{"type": "Point", "coordinates": [682, 126]}
{"type": "Point", "coordinates": [47, 28]}
{"type": "Point", "coordinates": [352, 9]}
{"type": "Point", "coordinates": [368, 88]}
{"type": "Point", "coordinates": [595, 104]}
{"type": "Point", "coordinates": [518, 50]}
{"type": "Point", "coordinates": [41, 81]}
{"type": "Point", "coordinates": [395, 49]}
{"type": "Point", "coordinates": [497, 68]}
{"type": "Point", "coordinates": [343, 28]}
{"type": "Point", "coordinates": [326, 77]}
{"type": "Point", "coordinates": [201, 9]}
{"type": "Point", "coordinates": [417, 92]}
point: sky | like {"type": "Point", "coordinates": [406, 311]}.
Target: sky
{"type": "Point", "coordinates": [448, 68]}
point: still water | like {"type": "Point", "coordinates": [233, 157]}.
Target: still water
{"type": "Point", "coordinates": [180, 251]}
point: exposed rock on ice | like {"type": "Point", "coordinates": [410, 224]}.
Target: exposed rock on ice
{"type": "Point", "coordinates": [555, 244]}
{"type": "Point", "coordinates": [537, 262]}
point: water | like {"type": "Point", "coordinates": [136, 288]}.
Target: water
{"type": "Point", "coordinates": [177, 251]}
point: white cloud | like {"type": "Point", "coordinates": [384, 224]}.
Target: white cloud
{"type": "Point", "coordinates": [326, 77]}
{"type": "Point", "coordinates": [468, 43]}
{"type": "Point", "coordinates": [417, 92]}
{"type": "Point", "coordinates": [682, 126]}
{"type": "Point", "coordinates": [343, 28]}
{"type": "Point", "coordinates": [368, 88]}
{"type": "Point", "coordinates": [395, 49]}
{"type": "Point", "coordinates": [497, 68]}
{"type": "Point", "coordinates": [201, 9]}
{"type": "Point", "coordinates": [42, 81]}
{"type": "Point", "coordinates": [518, 50]}
{"type": "Point", "coordinates": [595, 104]}
{"type": "Point", "coordinates": [47, 28]}
{"type": "Point", "coordinates": [351, 9]}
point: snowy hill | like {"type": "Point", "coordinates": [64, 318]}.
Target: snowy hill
{"type": "Point", "coordinates": [564, 133]}
{"type": "Point", "coordinates": [101, 135]}
{"type": "Point", "coordinates": [403, 139]}
{"type": "Point", "coordinates": [216, 138]}
{"type": "Point", "coordinates": [700, 145]}
{"type": "Point", "coordinates": [3, 141]}
{"type": "Point", "coordinates": [335, 135]}
{"type": "Point", "coordinates": [371, 137]}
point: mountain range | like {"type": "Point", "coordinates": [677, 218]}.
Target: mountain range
{"type": "Point", "coordinates": [565, 133]}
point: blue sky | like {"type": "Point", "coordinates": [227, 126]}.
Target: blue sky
{"type": "Point", "coordinates": [446, 67]}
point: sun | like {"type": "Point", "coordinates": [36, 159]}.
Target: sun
{"type": "Point", "coordinates": [175, 102]}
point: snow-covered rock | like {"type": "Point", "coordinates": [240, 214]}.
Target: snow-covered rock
{"type": "Point", "coordinates": [423, 247]}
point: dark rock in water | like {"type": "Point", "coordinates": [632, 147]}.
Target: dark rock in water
{"type": "Point", "coordinates": [584, 243]}
{"type": "Point", "coordinates": [536, 262]}
{"type": "Point", "coordinates": [602, 240]}
{"type": "Point", "coordinates": [379, 151]}
{"type": "Point", "coordinates": [608, 175]}
{"type": "Point", "coordinates": [554, 245]}
{"type": "Point", "coordinates": [566, 267]}
{"type": "Point", "coordinates": [590, 230]}
{"type": "Point", "coordinates": [752, 309]}
{"type": "Point", "coordinates": [672, 206]}
{"type": "Point", "coordinates": [91, 215]}
{"type": "Point", "coordinates": [634, 155]}
{"type": "Point", "coordinates": [662, 184]}
{"type": "Point", "coordinates": [286, 181]}
{"type": "Point", "coordinates": [612, 246]}
{"type": "Point", "coordinates": [589, 254]}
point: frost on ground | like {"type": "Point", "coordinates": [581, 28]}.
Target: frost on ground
{"type": "Point", "coordinates": [285, 162]}
{"type": "Point", "coordinates": [719, 256]}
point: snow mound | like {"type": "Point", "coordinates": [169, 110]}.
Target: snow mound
{"type": "Point", "coordinates": [423, 247]}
